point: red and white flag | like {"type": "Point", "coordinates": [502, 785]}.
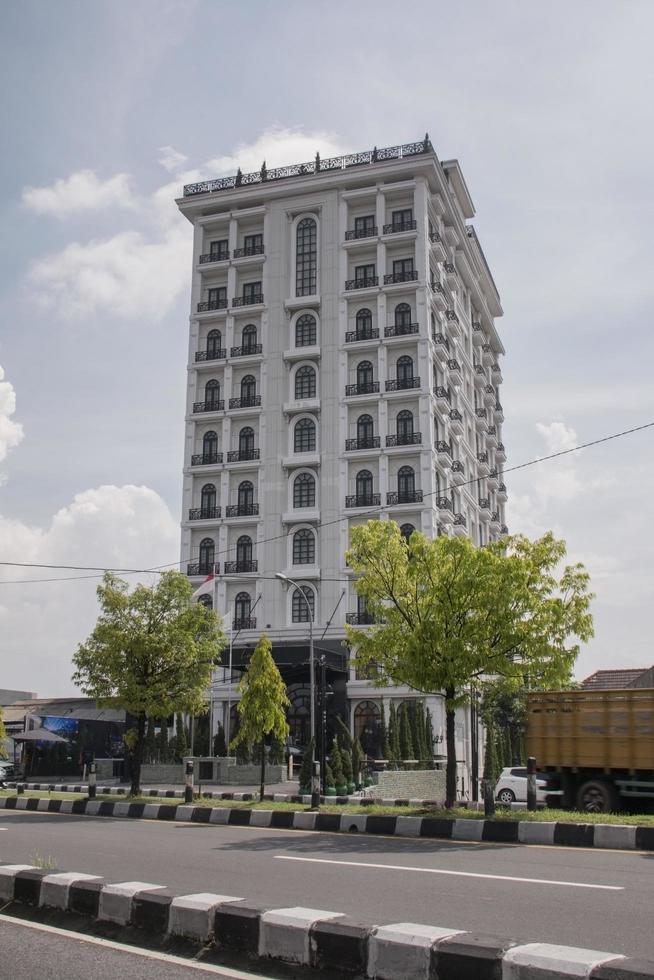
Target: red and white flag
{"type": "Point", "coordinates": [207, 586]}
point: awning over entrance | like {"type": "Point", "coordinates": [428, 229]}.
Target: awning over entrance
{"type": "Point", "coordinates": [292, 659]}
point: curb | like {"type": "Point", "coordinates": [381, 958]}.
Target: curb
{"type": "Point", "coordinates": [614, 836]}
{"type": "Point", "coordinates": [314, 938]}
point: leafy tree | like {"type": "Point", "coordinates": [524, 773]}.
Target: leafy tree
{"type": "Point", "coordinates": [346, 762]}
{"type": "Point", "coordinates": [491, 763]}
{"type": "Point", "coordinates": [151, 652]}
{"type": "Point", "coordinates": [448, 613]}
{"type": "Point", "coordinates": [162, 741]}
{"type": "Point", "coordinates": [181, 732]}
{"type": "Point", "coordinates": [201, 740]}
{"type": "Point", "coordinates": [406, 742]}
{"type": "Point", "coordinates": [243, 753]}
{"type": "Point", "coordinates": [344, 734]}
{"type": "Point", "coordinates": [277, 752]}
{"type": "Point", "coordinates": [394, 735]}
{"type": "Point", "coordinates": [358, 759]}
{"type": "Point", "coordinates": [429, 735]}
{"type": "Point", "coordinates": [150, 744]}
{"type": "Point", "coordinates": [330, 782]}
{"type": "Point", "coordinates": [219, 743]}
{"type": "Point", "coordinates": [336, 763]}
{"type": "Point", "coordinates": [263, 702]}
{"type": "Point", "coordinates": [305, 768]}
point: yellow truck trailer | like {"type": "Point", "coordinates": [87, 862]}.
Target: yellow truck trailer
{"type": "Point", "coordinates": [600, 743]}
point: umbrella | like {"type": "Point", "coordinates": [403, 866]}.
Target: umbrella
{"type": "Point", "coordinates": [38, 735]}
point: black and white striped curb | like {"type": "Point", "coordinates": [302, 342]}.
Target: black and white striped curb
{"type": "Point", "coordinates": [313, 938]}
{"type": "Point", "coordinates": [612, 836]}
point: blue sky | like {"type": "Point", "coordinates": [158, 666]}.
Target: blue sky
{"type": "Point", "coordinates": [108, 107]}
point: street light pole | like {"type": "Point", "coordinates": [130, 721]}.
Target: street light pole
{"type": "Point", "coordinates": [315, 792]}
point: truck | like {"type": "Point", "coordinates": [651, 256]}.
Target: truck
{"type": "Point", "coordinates": [597, 746]}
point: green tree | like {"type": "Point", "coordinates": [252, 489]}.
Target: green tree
{"type": "Point", "coordinates": [429, 735]}
{"type": "Point", "coordinates": [150, 744]}
{"type": "Point", "coordinates": [346, 761]}
{"type": "Point", "coordinates": [151, 652]}
{"type": "Point", "coordinates": [182, 747]}
{"type": "Point", "coordinates": [491, 763]}
{"type": "Point", "coordinates": [305, 768]}
{"type": "Point", "coordinates": [406, 742]}
{"type": "Point", "coordinates": [448, 613]}
{"type": "Point", "coordinates": [162, 741]}
{"type": "Point", "coordinates": [358, 759]}
{"type": "Point", "coordinates": [219, 743]}
{"type": "Point", "coordinates": [336, 763]}
{"type": "Point", "coordinates": [263, 702]}
{"type": "Point", "coordinates": [383, 734]}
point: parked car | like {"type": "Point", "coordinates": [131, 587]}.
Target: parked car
{"type": "Point", "coordinates": [511, 787]}
{"type": "Point", "coordinates": [7, 772]}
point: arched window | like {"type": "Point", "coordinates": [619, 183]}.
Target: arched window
{"type": "Point", "coordinates": [298, 714]}
{"type": "Point", "coordinates": [304, 547]}
{"type": "Point", "coordinates": [402, 315]}
{"type": "Point", "coordinates": [246, 442]}
{"type": "Point", "coordinates": [406, 484]}
{"type": "Point", "coordinates": [244, 552]}
{"type": "Point", "coordinates": [301, 612]}
{"type": "Point", "coordinates": [306, 257]}
{"type": "Point", "coordinates": [404, 369]}
{"type": "Point", "coordinates": [305, 330]}
{"type": "Point", "coordinates": [214, 340]}
{"type": "Point", "coordinates": [207, 551]}
{"type": "Point", "coordinates": [210, 447]}
{"type": "Point", "coordinates": [406, 530]}
{"type": "Point", "coordinates": [367, 727]}
{"type": "Point", "coordinates": [208, 500]}
{"type": "Point", "coordinates": [365, 431]}
{"type": "Point", "coordinates": [363, 325]}
{"type": "Point", "coordinates": [212, 394]}
{"type": "Point", "coordinates": [248, 388]}
{"type": "Point", "coordinates": [242, 604]}
{"type": "Point", "coordinates": [304, 436]}
{"type": "Point", "coordinates": [364, 374]}
{"type": "Point", "coordinates": [404, 427]}
{"type": "Point", "coordinates": [364, 487]}
{"type": "Point", "coordinates": [245, 497]}
{"type": "Point", "coordinates": [304, 491]}
{"type": "Point", "coordinates": [305, 382]}
{"type": "Point", "coordinates": [249, 337]}
{"type": "Point", "coordinates": [206, 600]}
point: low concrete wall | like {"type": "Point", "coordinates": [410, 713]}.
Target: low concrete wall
{"type": "Point", "coordinates": [251, 775]}
{"type": "Point", "coordinates": [158, 773]}
{"type": "Point", "coordinates": [223, 773]}
{"type": "Point", "coordinates": [420, 784]}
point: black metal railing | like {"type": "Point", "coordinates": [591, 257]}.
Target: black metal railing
{"type": "Point", "coordinates": [437, 286]}
{"type": "Point", "coordinates": [202, 568]}
{"type": "Point", "coordinates": [249, 300]}
{"type": "Point", "coordinates": [396, 226]}
{"type": "Point", "coordinates": [451, 316]}
{"type": "Point", "coordinates": [489, 390]}
{"type": "Point", "coordinates": [484, 503]}
{"type": "Point", "coordinates": [246, 350]}
{"type": "Point", "coordinates": [443, 503]}
{"type": "Point", "coordinates": [368, 334]}
{"type": "Point", "coordinates": [482, 457]}
{"type": "Point", "coordinates": [214, 256]}
{"type": "Point", "coordinates": [355, 233]}
{"type": "Point", "coordinates": [453, 365]}
{"type": "Point", "coordinates": [211, 355]}
{"type": "Point", "coordinates": [499, 448]}
{"type": "Point", "coordinates": [457, 466]}
{"type": "Point", "coordinates": [394, 497]}
{"type": "Point", "coordinates": [502, 488]}
{"type": "Point", "coordinates": [460, 520]}
{"type": "Point", "coordinates": [236, 567]}
{"type": "Point", "coordinates": [486, 349]}
{"type": "Point", "coordinates": [315, 166]}
{"type": "Point", "coordinates": [435, 238]}
{"type": "Point", "coordinates": [443, 447]}
{"type": "Point", "coordinates": [455, 415]}
{"type": "Point", "coordinates": [249, 401]}
{"type": "Point", "coordinates": [441, 340]}
{"type": "Point", "coordinates": [362, 283]}
{"type": "Point", "coordinates": [206, 459]}
{"type": "Point", "coordinates": [215, 405]}
{"type": "Point", "coordinates": [498, 408]}
{"type": "Point", "coordinates": [402, 384]}
{"type": "Point", "coordinates": [242, 510]}
{"type": "Point", "coordinates": [493, 475]}
{"type": "Point", "coordinates": [363, 500]}
{"type": "Point", "coordinates": [492, 432]}
{"type": "Point", "coordinates": [242, 455]}
{"type": "Point", "coordinates": [449, 268]}
{"type": "Point", "coordinates": [404, 439]}
{"type": "Point", "coordinates": [392, 277]}
{"type": "Point", "coordinates": [213, 304]}
{"type": "Point", "coordinates": [203, 513]}
{"type": "Point", "coordinates": [441, 392]}
{"type": "Point", "coordinates": [504, 529]}
{"type": "Point", "coordinates": [372, 442]}
{"type": "Point", "coordinates": [481, 413]}
{"type": "Point", "coordinates": [401, 329]}
{"type": "Point", "coordinates": [365, 388]}
{"type": "Point", "coordinates": [245, 623]}
{"type": "Point", "coordinates": [239, 253]}
{"type": "Point", "coordinates": [360, 619]}
{"type": "Point", "coordinates": [480, 371]}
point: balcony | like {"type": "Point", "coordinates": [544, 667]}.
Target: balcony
{"type": "Point", "coordinates": [504, 530]}
{"type": "Point", "coordinates": [240, 567]}
{"type": "Point", "coordinates": [480, 376]}
{"type": "Point", "coordinates": [242, 510]}
{"type": "Point", "coordinates": [450, 274]}
{"type": "Point", "coordinates": [444, 505]}
{"type": "Point", "coordinates": [477, 333]}
{"type": "Point", "coordinates": [482, 464]}
{"type": "Point", "coordinates": [502, 495]}
{"type": "Point", "coordinates": [363, 500]}
{"type": "Point", "coordinates": [213, 304]}
{"type": "Point", "coordinates": [202, 568]}
{"type": "Point", "coordinates": [491, 437]}
{"type": "Point", "coordinates": [395, 227]}
{"type": "Point", "coordinates": [221, 256]}
{"type": "Point", "coordinates": [484, 510]}
{"type": "Point", "coordinates": [396, 497]}
{"type": "Point", "coordinates": [250, 300]}
{"type": "Point", "coordinates": [249, 401]}
{"type": "Point", "coordinates": [481, 420]}
{"type": "Point", "coordinates": [211, 355]}
{"type": "Point", "coordinates": [366, 283]}
{"type": "Point", "coordinates": [442, 396]}
{"type": "Point", "coordinates": [246, 623]}
{"type": "Point", "coordinates": [206, 459]}
{"type": "Point", "coordinates": [458, 472]}
{"type": "Point", "coordinates": [442, 345]}
{"type": "Point", "coordinates": [204, 513]}
{"type": "Point", "coordinates": [438, 294]}
{"type": "Point", "coordinates": [460, 526]}
{"type": "Point", "coordinates": [360, 619]}
{"type": "Point", "coordinates": [404, 439]}
{"type": "Point", "coordinates": [401, 329]}
{"type": "Point", "coordinates": [452, 318]}
{"type": "Point", "coordinates": [352, 336]}
{"type": "Point", "coordinates": [365, 388]}
{"type": "Point", "coordinates": [456, 375]}
{"type": "Point", "coordinates": [394, 277]}
{"type": "Point", "coordinates": [493, 480]}
{"type": "Point", "coordinates": [356, 233]}
{"type": "Point", "coordinates": [496, 372]}
{"type": "Point", "coordinates": [487, 355]}
{"type": "Point", "coordinates": [500, 453]}
{"type": "Point", "coordinates": [242, 455]}
{"type": "Point", "coordinates": [495, 522]}
{"type": "Point", "coordinates": [246, 351]}
{"type": "Point", "coordinates": [443, 453]}
{"type": "Point", "coordinates": [241, 253]}
{"type": "Point", "coordinates": [489, 396]}
{"type": "Point", "coordinates": [437, 246]}
{"type": "Point", "coordinates": [351, 445]}
{"type": "Point", "coordinates": [456, 421]}
{"type": "Point", "coordinates": [216, 405]}
{"type": "Point", "coordinates": [498, 412]}
{"type": "Point", "coordinates": [402, 384]}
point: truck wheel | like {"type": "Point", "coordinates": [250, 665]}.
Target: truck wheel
{"type": "Point", "coordinates": [596, 796]}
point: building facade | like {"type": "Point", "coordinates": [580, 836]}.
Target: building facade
{"type": "Point", "coordinates": [343, 365]}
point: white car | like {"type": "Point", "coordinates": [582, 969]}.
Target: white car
{"type": "Point", "coordinates": [511, 787]}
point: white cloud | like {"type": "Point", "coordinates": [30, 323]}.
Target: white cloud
{"type": "Point", "coordinates": [128, 527]}
{"type": "Point", "coordinates": [11, 432]}
{"type": "Point", "coordinates": [82, 191]}
{"type": "Point", "coordinates": [171, 159]}
{"type": "Point", "coordinates": [558, 436]}
{"type": "Point", "coordinates": [277, 146]}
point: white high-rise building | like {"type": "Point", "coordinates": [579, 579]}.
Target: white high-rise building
{"type": "Point", "coordinates": [343, 364]}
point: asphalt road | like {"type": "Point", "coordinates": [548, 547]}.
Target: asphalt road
{"type": "Point", "coordinates": [591, 898]}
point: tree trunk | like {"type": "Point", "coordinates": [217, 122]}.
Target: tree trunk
{"type": "Point", "coordinates": [263, 767]}
{"type": "Point", "coordinates": [450, 743]}
{"type": "Point", "coordinates": [137, 755]}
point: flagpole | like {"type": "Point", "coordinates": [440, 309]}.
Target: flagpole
{"type": "Point", "coordinates": [228, 720]}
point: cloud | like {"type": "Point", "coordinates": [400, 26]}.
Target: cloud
{"type": "Point", "coordinates": [171, 159]}
{"type": "Point", "coordinates": [127, 526]}
{"type": "Point", "coordinates": [558, 436]}
{"type": "Point", "coordinates": [11, 433]}
{"type": "Point", "coordinates": [82, 191]}
{"type": "Point", "coordinates": [277, 146]}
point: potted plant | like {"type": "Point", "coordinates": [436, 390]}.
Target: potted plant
{"type": "Point", "coordinates": [330, 787]}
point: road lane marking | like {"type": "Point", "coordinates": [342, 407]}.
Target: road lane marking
{"type": "Point", "coordinates": [222, 971]}
{"type": "Point", "coordinates": [457, 874]}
